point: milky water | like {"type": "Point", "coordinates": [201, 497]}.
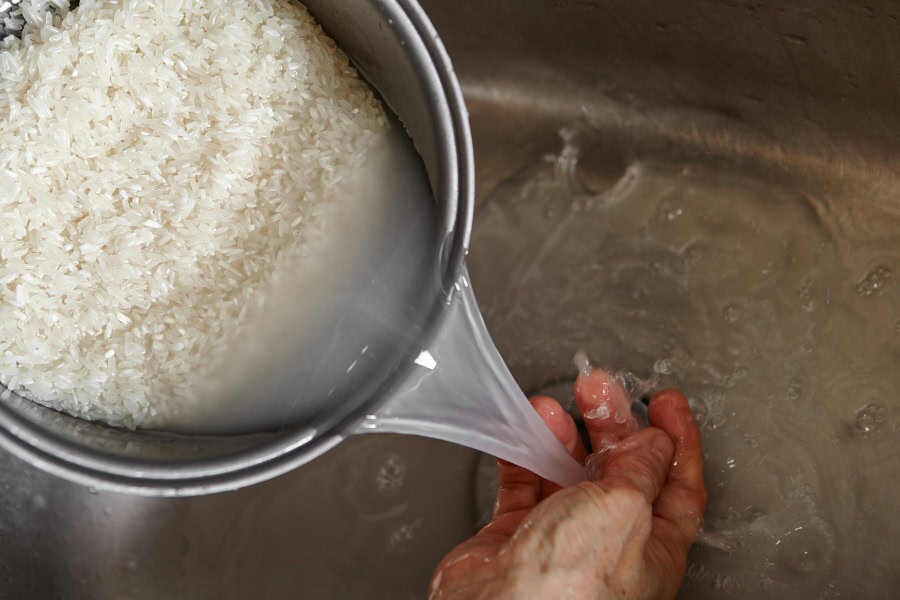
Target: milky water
{"type": "Point", "coordinates": [335, 329]}
{"type": "Point", "coordinates": [776, 316]}
{"type": "Point", "coordinates": [365, 319]}
{"type": "Point", "coordinates": [337, 326]}
{"type": "Point", "coordinates": [340, 332]}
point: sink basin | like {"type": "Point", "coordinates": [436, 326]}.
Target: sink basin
{"type": "Point", "coordinates": [703, 193]}
{"type": "Point", "coordinates": [371, 520]}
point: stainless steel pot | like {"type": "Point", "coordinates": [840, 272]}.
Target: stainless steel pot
{"type": "Point", "coordinates": [395, 47]}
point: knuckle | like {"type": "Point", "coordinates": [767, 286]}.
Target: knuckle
{"type": "Point", "coordinates": [630, 498]}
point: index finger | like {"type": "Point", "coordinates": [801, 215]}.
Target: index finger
{"type": "Point", "coordinates": [682, 500]}
{"type": "Point", "coordinates": [606, 408]}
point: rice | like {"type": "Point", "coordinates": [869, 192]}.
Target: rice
{"type": "Point", "coordinates": [160, 164]}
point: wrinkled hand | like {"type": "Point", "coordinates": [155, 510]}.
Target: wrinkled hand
{"type": "Point", "coordinates": [623, 534]}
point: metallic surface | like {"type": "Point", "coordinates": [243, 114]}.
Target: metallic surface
{"type": "Point", "coordinates": [398, 51]}
{"type": "Point", "coordinates": [798, 91]}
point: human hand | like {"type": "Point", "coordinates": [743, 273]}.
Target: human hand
{"type": "Point", "coordinates": [624, 534]}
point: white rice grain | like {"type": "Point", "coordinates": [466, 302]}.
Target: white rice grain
{"type": "Point", "coordinates": [157, 168]}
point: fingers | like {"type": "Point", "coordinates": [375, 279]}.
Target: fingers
{"type": "Point", "coordinates": [640, 462]}
{"type": "Point", "coordinates": [563, 427]}
{"type": "Point", "coordinates": [606, 407]}
{"type": "Point", "coordinates": [519, 488]}
{"type": "Point", "coordinates": [561, 424]}
{"type": "Point", "coordinates": [683, 499]}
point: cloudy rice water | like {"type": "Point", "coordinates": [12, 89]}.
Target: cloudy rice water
{"type": "Point", "coordinates": [162, 165]}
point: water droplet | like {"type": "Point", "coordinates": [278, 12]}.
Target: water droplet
{"type": "Point", "coordinates": [668, 212]}
{"type": "Point", "coordinates": [92, 490]}
{"type": "Point", "coordinates": [714, 421]}
{"type": "Point", "coordinates": [731, 313]}
{"type": "Point", "coordinates": [874, 282]}
{"type": "Point", "coordinates": [869, 419]}
{"type": "Point", "coordinates": [131, 565]}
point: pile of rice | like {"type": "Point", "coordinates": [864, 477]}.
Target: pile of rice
{"type": "Point", "coordinates": [160, 163]}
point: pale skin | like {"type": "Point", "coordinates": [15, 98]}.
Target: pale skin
{"type": "Point", "coordinates": [624, 534]}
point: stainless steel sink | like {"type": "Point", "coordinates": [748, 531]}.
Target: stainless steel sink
{"type": "Point", "coordinates": [574, 104]}
{"type": "Point", "coordinates": [369, 521]}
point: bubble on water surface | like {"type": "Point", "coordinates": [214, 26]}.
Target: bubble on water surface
{"type": "Point", "coordinates": [668, 212]}
{"type": "Point", "coordinates": [806, 297]}
{"type": "Point", "coordinates": [390, 476]}
{"type": "Point", "coordinates": [869, 418]}
{"type": "Point", "coordinates": [731, 313]}
{"type": "Point", "coordinates": [794, 389]}
{"type": "Point", "coordinates": [874, 282]}
{"type": "Point", "coordinates": [663, 366]}
{"type": "Point", "coordinates": [402, 537]}
{"type": "Point", "coordinates": [708, 409]}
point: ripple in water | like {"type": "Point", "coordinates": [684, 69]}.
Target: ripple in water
{"type": "Point", "coordinates": [740, 294]}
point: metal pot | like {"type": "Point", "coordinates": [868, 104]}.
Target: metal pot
{"type": "Point", "coordinates": [397, 50]}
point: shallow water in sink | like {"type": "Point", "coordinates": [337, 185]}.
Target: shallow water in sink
{"type": "Point", "coordinates": [774, 313]}
{"type": "Point", "coordinates": [362, 522]}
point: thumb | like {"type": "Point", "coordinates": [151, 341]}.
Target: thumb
{"type": "Point", "coordinates": [640, 462]}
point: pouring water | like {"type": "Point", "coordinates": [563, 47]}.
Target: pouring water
{"type": "Point", "coordinates": [461, 391]}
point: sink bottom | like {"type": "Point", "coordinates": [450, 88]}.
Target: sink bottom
{"type": "Point", "coordinates": [364, 521]}
{"type": "Point", "coordinates": [684, 248]}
